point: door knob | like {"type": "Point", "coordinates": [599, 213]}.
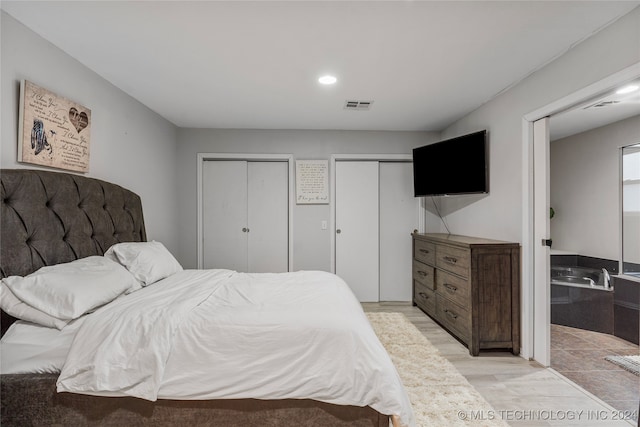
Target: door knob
{"type": "Point", "coordinates": [338, 231]}
{"type": "Point", "coordinates": [245, 229]}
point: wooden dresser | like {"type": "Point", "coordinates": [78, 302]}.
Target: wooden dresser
{"type": "Point", "coordinates": [471, 286]}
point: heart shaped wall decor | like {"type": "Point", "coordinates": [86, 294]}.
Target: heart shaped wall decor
{"type": "Point", "coordinates": [79, 120]}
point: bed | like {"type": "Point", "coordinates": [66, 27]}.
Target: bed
{"type": "Point", "coordinates": [58, 219]}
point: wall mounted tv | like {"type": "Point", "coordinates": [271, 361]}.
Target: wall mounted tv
{"type": "Point", "coordinates": [453, 166]}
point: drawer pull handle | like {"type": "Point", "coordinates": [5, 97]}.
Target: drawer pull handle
{"type": "Point", "coordinates": [423, 295]}
{"type": "Point", "coordinates": [422, 273]}
{"type": "Point", "coordinates": [451, 314]}
{"type": "Point", "coordinates": [424, 251]}
{"type": "Point", "coordinates": [450, 287]}
{"type": "Point", "coordinates": [450, 259]}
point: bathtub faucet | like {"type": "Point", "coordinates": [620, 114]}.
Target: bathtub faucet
{"type": "Point", "coordinates": [606, 279]}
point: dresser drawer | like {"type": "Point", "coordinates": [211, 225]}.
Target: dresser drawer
{"type": "Point", "coordinates": [425, 298]}
{"type": "Point", "coordinates": [453, 317]}
{"type": "Point", "coordinates": [424, 252]}
{"type": "Point", "coordinates": [475, 284]}
{"type": "Point", "coordinates": [454, 260]}
{"type": "Point", "coordinates": [453, 288]}
{"type": "Point", "coordinates": [424, 274]}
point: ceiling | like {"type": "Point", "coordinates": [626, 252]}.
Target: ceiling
{"type": "Point", "coordinates": [214, 64]}
{"type": "Point", "coordinates": [606, 108]}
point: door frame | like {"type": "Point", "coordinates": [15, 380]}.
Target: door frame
{"type": "Point", "coordinates": [332, 193]}
{"type": "Point", "coordinates": [203, 157]}
{"type": "Point", "coordinates": [534, 319]}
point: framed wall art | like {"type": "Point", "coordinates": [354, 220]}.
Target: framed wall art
{"type": "Point", "coordinates": [53, 130]}
{"type": "Point", "coordinates": [312, 182]}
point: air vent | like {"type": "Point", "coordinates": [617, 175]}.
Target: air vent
{"type": "Point", "coordinates": [601, 104]}
{"type": "Point", "coordinates": [358, 105]}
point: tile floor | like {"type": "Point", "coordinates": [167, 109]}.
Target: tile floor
{"type": "Point", "coordinates": [579, 355]}
{"type": "Point", "coordinates": [522, 392]}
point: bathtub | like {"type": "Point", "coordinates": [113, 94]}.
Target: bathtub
{"type": "Point", "coordinates": [580, 299]}
{"type": "Point", "coordinates": [579, 277]}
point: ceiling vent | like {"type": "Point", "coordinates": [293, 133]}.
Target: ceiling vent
{"type": "Point", "coordinates": [358, 105]}
{"type": "Point", "coordinates": [601, 104]}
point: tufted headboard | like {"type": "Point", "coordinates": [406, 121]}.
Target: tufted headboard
{"type": "Point", "coordinates": [51, 217]}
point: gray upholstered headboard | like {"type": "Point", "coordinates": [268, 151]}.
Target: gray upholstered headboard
{"type": "Point", "coordinates": [51, 217]}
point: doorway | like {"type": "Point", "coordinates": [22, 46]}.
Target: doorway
{"type": "Point", "coordinates": [536, 283]}
{"type": "Point", "coordinates": [588, 294]}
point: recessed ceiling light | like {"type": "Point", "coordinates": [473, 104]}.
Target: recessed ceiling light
{"type": "Point", "coordinates": [628, 89]}
{"type": "Point", "coordinates": [327, 80]}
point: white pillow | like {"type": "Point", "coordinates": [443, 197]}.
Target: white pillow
{"type": "Point", "coordinates": [11, 305]}
{"type": "Point", "coordinates": [147, 261]}
{"type": "Point", "coordinates": [112, 256]}
{"type": "Point", "coordinates": [67, 291]}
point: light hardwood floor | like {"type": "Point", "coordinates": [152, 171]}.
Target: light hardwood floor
{"type": "Point", "coordinates": [522, 392]}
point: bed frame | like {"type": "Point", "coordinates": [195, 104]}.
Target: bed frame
{"type": "Point", "coordinates": [49, 218]}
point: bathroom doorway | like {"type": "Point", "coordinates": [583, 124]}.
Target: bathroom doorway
{"type": "Point", "coordinates": [585, 216]}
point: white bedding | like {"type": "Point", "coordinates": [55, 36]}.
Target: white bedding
{"type": "Point", "coordinates": [218, 334]}
{"type": "Point", "coordinates": [30, 348]}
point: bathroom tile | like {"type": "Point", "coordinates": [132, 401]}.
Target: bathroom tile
{"type": "Point", "coordinates": [604, 340]}
{"type": "Point", "coordinates": [598, 263]}
{"type": "Point", "coordinates": [612, 385]}
{"type": "Point", "coordinates": [573, 342]}
{"type": "Point", "coordinates": [581, 360]}
{"type": "Point", "coordinates": [559, 337]}
{"type": "Point", "coordinates": [579, 356]}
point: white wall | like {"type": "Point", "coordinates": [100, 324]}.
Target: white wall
{"type": "Point", "coordinates": [134, 147]}
{"type": "Point", "coordinates": [130, 145]}
{"type": "Point", "coordinates": [500, 214]}
{"type": "Point", "coordinates": [311, 244]}
{"type": "Point", "coordinates": [585, 189]}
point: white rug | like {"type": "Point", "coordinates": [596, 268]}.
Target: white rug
{"type": "Point", "coordinates": [629, 363]}
{"type": "Point", "coordinates": [440, 395]}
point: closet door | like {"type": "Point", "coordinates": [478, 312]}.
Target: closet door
{"type": "Point", "coordinates": [225, 219]}
{"type": "Point", "coordinates": [268, 217]}
{"type": "Point", "coordinates": [245, 217]}
{"type": "Point", "coordinates": [398, 218]}
{"type": "Point", "coordinates": [357, 227]}
{"type": "Point", "coordinates": [375, 215]}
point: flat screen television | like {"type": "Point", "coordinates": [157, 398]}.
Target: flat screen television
{"type": "Point", "coordinates": [454, 166]}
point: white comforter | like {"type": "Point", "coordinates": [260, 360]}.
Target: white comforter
{"type": "Point", "coordinates": [214, 334]}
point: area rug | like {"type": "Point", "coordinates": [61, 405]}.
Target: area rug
{"type": "Point", "coordinates": [439, 394]}
{"type": "Point", "coordinates": [629, 363]}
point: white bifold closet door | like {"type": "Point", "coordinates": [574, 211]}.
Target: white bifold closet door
{"type": "Point", "coordinates": [245, 215]}
{"type": "Point", "coordinates": [375, 215]}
